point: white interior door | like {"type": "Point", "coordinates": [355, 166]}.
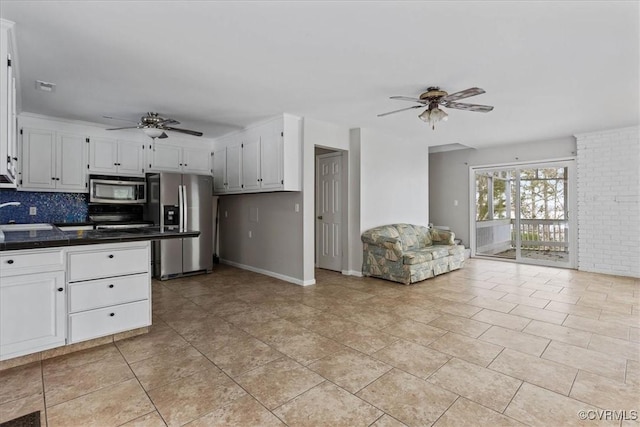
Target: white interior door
{"type": "Point", "coordinates": [329, 211]}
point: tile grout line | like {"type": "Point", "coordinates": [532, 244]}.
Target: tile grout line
{"type": "Point", "coordinates": [146, 392]}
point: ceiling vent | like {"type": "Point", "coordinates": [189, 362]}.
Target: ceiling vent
{"type": "Point", "coordinates": [45, 86]}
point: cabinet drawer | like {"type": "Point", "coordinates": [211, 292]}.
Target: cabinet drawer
{"type": "Point", "coordinates": [106, 262]}
{"type": "Point", "coordinates": [108, 320]}
{"type": "Point", "coordinates": [26, 262]}
{"type": "Point", "coordinates": [105, 292]}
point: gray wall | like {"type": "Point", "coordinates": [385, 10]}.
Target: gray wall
{"type": "Point", "coordinates": [276, 242]}
{"type": "Point", "coordinates": [449, 176]}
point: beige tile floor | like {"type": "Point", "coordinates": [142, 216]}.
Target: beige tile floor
{"type": "Point", "coordinates": [493, 344]}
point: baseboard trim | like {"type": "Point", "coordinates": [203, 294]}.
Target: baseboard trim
{"type": "Point", "coordinates": [269, 273]}
{"type": "Point", "coordinates": [352, 273]}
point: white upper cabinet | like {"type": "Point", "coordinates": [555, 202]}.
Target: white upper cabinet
{"type": "Point", "coordinates": [271, 156]}
{"type": "Point", "coordinates": [220, 171]}
{"type": "Point", "coordinates": [8, 135]}
{"type": "Point", "coordinates": [196, 160]}
{"type": "Point", "coordinates": [227, 166]}
{"type": "Point", "coordinates": [71, 162]}
{"type": "Point", "coordinates": [268, 156]}
{"type": "Point", "coordinates": [53, 161]}
{"type": "Point", "coordinates": [251, 160]}
{"type": "Point", "coordinates": [165, 157]}
{"type": "Point", "coordinates": [109, 156]}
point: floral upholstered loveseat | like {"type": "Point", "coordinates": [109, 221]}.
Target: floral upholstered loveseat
{"type": "Point", "coordinates": [409, 253]}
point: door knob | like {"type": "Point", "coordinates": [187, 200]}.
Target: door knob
{"type": "Point", "coordinates": [320, 217]}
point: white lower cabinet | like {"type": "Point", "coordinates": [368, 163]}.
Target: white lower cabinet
{"type": "Point", "coordinates": [96, 323]}
{"type": "Point", "coordinates": [33, 311]}
{"type": "Point", "coordinates": [57, 296]}
{"type": "Point", "coordinates": [109, 289]}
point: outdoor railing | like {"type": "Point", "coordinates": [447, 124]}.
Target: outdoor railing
{"type": "Point", "coordinates": [495, 236]}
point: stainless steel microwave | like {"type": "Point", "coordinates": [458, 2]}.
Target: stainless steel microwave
{"type": "Point", "coordinates": [117, 189]}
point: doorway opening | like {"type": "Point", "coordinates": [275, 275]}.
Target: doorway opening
{"type": "Point", "coordinates": [521, 212]}
{"type": "Point", "coordinates": [330, 209]}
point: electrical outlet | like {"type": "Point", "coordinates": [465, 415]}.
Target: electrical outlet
{"type": "Point", "coordinates": [297, 207]}
{"type": "Point", "coordinates": [33, 211]}
{"type": "Point", "coordinates": [226, 214]}
{"type": "Point", "coordinates": [250, 234]}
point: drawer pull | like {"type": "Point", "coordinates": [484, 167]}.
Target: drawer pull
{"type": "Point", "coordinates": [112, 314]}
{"type": "Point", "coordinates": [111, 286]}
{"type": "Point", "coordinates": [9, 261]}
{"type": "Point", "coordinates": [111, 256]}
{"type": "Point", "coordinates": [60, 289]}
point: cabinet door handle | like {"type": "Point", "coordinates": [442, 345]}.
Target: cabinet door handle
{"type": "Point", "coordinates": [60, 289]}
{"type": "Point", "coordinates": [110, 286]}
{"type": "Point", "coordinates": [53, 178]}
{"type": "Point", "coordinates": [110, 255]}
{"type": "Point", "coordinates": [112, 314]}
{"type": "Point", "coordinates": [9, 261]}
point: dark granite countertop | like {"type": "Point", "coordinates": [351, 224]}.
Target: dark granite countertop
{"type": "Point", "coordinates": [55, 237]}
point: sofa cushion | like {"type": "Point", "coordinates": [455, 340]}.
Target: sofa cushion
{"type": "Point", "coordinates": [413, 236]}
{"type": "Point", "coordinates": [419, 256]}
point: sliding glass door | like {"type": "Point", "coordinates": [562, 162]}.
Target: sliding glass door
{"type": "Point", "coordinates": [522, 213]}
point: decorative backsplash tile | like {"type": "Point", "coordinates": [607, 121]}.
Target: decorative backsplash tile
{"type": "Point", "coordinates": [50, 207]}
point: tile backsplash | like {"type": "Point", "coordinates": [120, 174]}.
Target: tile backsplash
{"type": "Point", "coordinates": [50, 207]}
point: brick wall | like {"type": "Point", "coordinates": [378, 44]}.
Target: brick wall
{"type": "Point", "coordinates": [608, 172]}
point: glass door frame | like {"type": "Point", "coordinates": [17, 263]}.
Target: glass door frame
{"type": "Point", "coordinates": [570, 208]}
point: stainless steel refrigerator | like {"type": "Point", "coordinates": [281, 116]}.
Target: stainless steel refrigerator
{"type": "Point", "coordinates": [185, 202]}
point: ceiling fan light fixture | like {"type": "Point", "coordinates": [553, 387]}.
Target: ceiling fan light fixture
{"type": "Point", "coordinates": [432, 115]}
{"type": "Point", "coordinates": [152, 132]}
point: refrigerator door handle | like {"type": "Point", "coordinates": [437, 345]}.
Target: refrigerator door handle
{"type": "Point", "coordinates": [184, 208]}
{"type": "Point", "coordinates": [180, 208]}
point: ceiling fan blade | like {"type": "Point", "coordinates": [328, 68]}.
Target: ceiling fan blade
{"type": "Point", "coordinates": [163, 136]}
{"type": "Point", "coordinates": [167, 122]}
{"type": "Point", "coordinates": [127, 127]}
{"type": "Point", "coordinates": [402, 109]}
{"type": "Point", "coordinates": [473, 91]}
{"type": "Point", "coordinates": [406, 98]}
{"type": "Point", "coordinates": [118, 118]}
{"type": "Point", "coordinates": [187, 131]}
{"type": "Point", "coordinates": [468, 107]}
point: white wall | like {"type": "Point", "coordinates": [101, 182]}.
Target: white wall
{"type": "Point", "coordinates": [394, 180]}
{"type": "Point", "coordinates": [390, 185]}
{"type": "Point", "coordinates": [449, 176]}
{"type": "Point", "coordinates": [609, 202]}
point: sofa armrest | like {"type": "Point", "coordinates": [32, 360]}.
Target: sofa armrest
{"type": "Point", "coordinates": [442, 237]}
{"type": "Point", "coordinates": [389, 243]}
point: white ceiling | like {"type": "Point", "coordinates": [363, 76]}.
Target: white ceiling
{"type": "Point", "coordinates": [551, 69]}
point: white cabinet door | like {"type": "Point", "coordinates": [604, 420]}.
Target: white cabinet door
{"type": "Point", "coordinates": [220, 171]}
{"type": "Point", "coordinates": [196, 160]}
{"type": "Point", "coordinates": [71, 162]}
{"type": "Point", "coordinates": [103, 155]}
{"type": "Point", "coordinates": [8, 142]}
{"type": "Point", "coordinates": [32, 313]}
{"type": "Point", "coordinates": [234, 168]}
{"type": "Point", "coordinates": [166, 158]}
{"type": "Point", "coordinates": [38, 159]}
{"type": "Point", "coordinates": [271, 157]}
{"type": "Point", "coordinates": [251, 161]}
{"type": "Point", "coordinates": [130, 158]}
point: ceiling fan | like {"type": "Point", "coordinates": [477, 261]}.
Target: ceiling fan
{"type": "Point", "coordinates": [435, 97]}
{"type": "Point", "coordinates": [154, 126]}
